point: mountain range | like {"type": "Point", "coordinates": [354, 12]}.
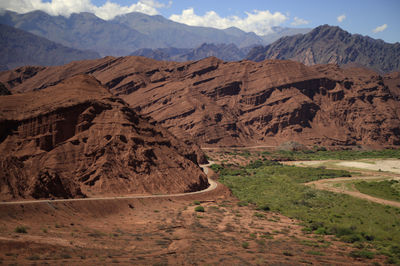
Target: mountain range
{"type": "Point", "coordinates": [127, 33]}
{"type": "Point", "coordinates": [226, 52]}
{"type": "Point", "coordinates": [327, 44]}
{"type": "Point", "coordinates": [19, 48]}
{"type": "Point", "coordinates": [243, 103]}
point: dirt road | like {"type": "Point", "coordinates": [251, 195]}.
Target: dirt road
{"type": "Point", "coordinates": [369, 173]}
{"type": "Point", "coordinates": [213, 185]}
{"type": "Point", "coordinates": [328, 184]}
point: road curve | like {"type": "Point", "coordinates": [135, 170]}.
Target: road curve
{"type": "Point", "coordinates": [213, 185]}
{"type": "Point", "coordinates": [327, 184]}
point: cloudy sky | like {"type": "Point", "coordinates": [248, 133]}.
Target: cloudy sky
{"type": "Point", "coordinates": [375, 18]}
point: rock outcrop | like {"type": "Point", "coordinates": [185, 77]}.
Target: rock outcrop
{"type": "Point", "coordinates": [244, 103]}
{"type": "Point", "coordinates": [75, 139]}
{"type": "Point", "coordinates": [332, 45]}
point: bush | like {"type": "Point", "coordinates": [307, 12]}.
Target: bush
{"type": "Point", "coordinates": [245, 245]}
{"type": "Point", "coordinates": [199, 209]}
{"type": "Point", "coordinates": [362, 254]}
{"type": "Point", "coordinates": [196, 202]}
{"type": "Point", "coordinates": [20, 230]}
{"type": "Point", "coordinates": [264, 208]}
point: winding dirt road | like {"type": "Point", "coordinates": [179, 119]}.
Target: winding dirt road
{"type": "Point", "coordinates": [328, 184]}
{"type": "Point", "coordinates": [205, 167]}
{"type": "Point", "coordinates": [337, 185]}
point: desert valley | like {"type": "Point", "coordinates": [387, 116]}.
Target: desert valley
{"type": "Point", "coordinates": [120, 144]}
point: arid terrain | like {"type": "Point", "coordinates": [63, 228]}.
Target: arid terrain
{"type": "Point", "coordinates": [162, 231]}
{"type": "Point", "coordinates": [161, 133]}
{"type": "Point", "coordinates": [243, 103]}
{"type": "Point", "coordinates": [75, 139]}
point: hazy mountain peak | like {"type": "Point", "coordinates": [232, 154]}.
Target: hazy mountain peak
{"type": "Point", "coordinates": [331, 44]}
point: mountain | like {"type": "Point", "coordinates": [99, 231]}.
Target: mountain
{"type": "Point", "coordinates": [279, 32]}
{"type": "Point", "coordinates": [226, 52]}
{"type": "Point", "coordinates": [75, 139]}
{"type": "Point", "coordinates": [125, 33]}
{"type": "Point", "coordinates": [327, 44]}
{"type": "Point", "coordinates": [179, 35]}
{"type": "Point", "coordinates": [19, 48]}
{"type": "Point", "coordinates": [81, 31]}
{"type": "Point", "coordinates": [243, 103]}
{"type": "Point", "coordinates": [4, 90]}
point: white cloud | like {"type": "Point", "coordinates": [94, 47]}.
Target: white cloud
{"type": "Point", "coordinates": [299, 21]}
{"type": "Point", "coordinates": [65, 8]}
{"type": "Point", "coordinates": [380, 28]}
{"type": "Point", "coordinates": [341, 18]}
{"type": "Point", "coordinates": [257, 21]}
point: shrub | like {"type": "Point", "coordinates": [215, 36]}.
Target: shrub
{"type": "Point", "coordinates": [20, 230]}
{"type": "Point", "coordinates": [199, 209]}
{"type": "Point", "coordinates": [245, 245]}
{"type": "Point", "coordinates": [242, 203]}
{"type": "Point", "coordinates": [196, 202]}
{"type": "Point", "coordinates": [362, 254]}
{"type": "Point", "coordinates": [264, 208]}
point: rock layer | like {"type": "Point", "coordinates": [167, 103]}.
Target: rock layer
{"type": "Point", "coordinates": [75, 139]}
{"type": "Point", "coordinates": [244, 103]}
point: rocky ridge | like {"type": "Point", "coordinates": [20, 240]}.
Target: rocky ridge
{"type": "Point", "coordinates": [243, 103]}
{"type": "Point", "coordinates": [19, 48]}
{"type": "Point", "coordinates": [332, 45]}
{"type": "Point", "coordinates": [75, 139]}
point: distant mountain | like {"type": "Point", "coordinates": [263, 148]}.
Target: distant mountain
{"type": "Point", "coordinates": [328, 44]}
{"type": "Point", "coordinates": [179, 35]}
{"type": "Point", "coordinates": [18, 48]}
{"type": "Point", "coordinates": [129, 32]}
{"type": "Point", "coordinates": [279, 32]}
{"type": "Point", "coordinates": [81, 31]}
{"type": "Point", "coordinates": [226, 52]}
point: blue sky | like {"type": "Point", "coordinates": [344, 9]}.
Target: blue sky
{"type": "Point", "coordinates": [376, 18]}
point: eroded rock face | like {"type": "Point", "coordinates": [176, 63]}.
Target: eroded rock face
{"type": "Point", "coordinates": [75, 139]}
{"type": "Point", "coordinates": [247, 103]}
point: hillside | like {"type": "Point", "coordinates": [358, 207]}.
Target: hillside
{"type": "Point", "coordinates": [75, 139]}
{"type": "Point", "coordinates": [19, 48]}
{"type": "Point", "coordinates": [243, 103]}
{"type": "Point", "coordinates": [179, 35]}
{"type": "Point", "coordinates": [226, 52]}
{"type": "Point", "coordinates": [332, 45]}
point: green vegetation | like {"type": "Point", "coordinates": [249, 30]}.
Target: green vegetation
{"type": "Point", "coordinates": [321, 154]}
{"type": "Point", "coordinates": [196, 202]}
{"type": "Point", "coordinates": [245, 245]}
{"type": "Point", "coordinates": [350, 219]}
{"type": "Point", "coordinates": [362, 254]}
{"type": "Point", "coordinates": [199, 209]}
{"type": "Point", "coordinates": [388, 189]}
{"type": "Point", "coordinates": [20, 229]}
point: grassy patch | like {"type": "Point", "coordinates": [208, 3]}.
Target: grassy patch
{"type": "Point", "coordinates": [350, 219]}
{"type": "Point", "coordinates": [388, 189]}
{"type": "Point", "coordinates": [365, 254]}
{"type": "Point", "coordinates": [317, 154]}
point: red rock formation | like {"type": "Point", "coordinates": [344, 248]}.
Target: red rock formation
{"type": "Point", "coordinates": [246, 103]}
{"type": "Point", "coordinates": [75, 139]}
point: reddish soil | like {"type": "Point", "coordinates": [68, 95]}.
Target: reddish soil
{"type": "Point", "coordinates": [75, 139]}
{"type": "Point", "coordinates": [244, 103]}
{"type": "Point", "coordinates": [161, 231]}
